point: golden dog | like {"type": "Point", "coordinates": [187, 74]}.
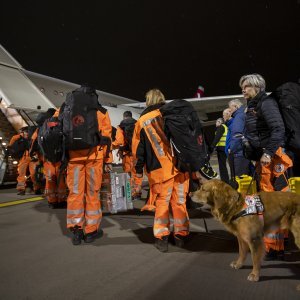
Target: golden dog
{"type": "Point", "coordinates": [281, 209]}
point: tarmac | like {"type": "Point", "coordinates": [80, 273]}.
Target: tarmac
{"type": "Point", "coordinates": [38, 260]}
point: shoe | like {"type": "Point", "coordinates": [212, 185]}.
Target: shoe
{"type": "Point", "coordinates": [38, 192]}
{"type": "Point", "coordinates": [62, 204]}
{"type": "Point", "coordinates": [180, 240]}
{"type": "Point", "coordinates": [280, 255]}
{"type": "Point", "coordinates": [53, 205]}
{"type": "Point", "coordinates": [90, 237]}
{"type": "Point", "coordinates": [77, 235]}
{"type": "Point", "coordinates": [162, 244]}
{"type": "Point", "coordinates": [21, 193]}
{"type": "Point", "coordinates": [271, 255]}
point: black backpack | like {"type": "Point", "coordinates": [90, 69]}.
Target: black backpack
{"type": "Point", "coordinates": [17, 149]}
{"type": "Point", "coordinates": [80, 123]}
{"type": "Point", "coordinates": [127, 126]}
{"type": "Point", "coordinates": [288, 98]}
{"type": "Point", "coordinates": [184, 131]}
{"type": "Point", "coordinates": [50, 140]}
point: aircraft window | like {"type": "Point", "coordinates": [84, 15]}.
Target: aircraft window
{"type": "Point", "coordinates": [42, 90]}
{"type": "Point", "coordinates": [61, 93]}
{"type": "Point", "coordinates": [55, 92]}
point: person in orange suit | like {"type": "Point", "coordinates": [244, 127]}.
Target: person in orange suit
{"type": "Point", "coordinates": [125, 152]}
{"type": "Point", "coordinates": [84, 177]}
{"type": "Point", "coordinates": [168, 186]}
{"type": "Point", "coordinates": [23, 162]}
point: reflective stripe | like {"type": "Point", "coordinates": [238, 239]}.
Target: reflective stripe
{"type": "Point", "coordinates": [76, 180]}
{"type": "Point", "coordinates": [155, 141]}
{"type": "Point", "coordinates": [158, 221]}
{"type": "Point", "coordinates": [93, 221]}
{"type": "Point", "coordinates": [74, 221]}
{"type": "Point", "coordinates": [75, 211]}
{"type": "Point", "coordinates": [49, 175]}
{"type": "Point", "coordinates": [181, 196]}
{"type": "Point", "coordinates": [160, 230]}
{"type": "Point", "coordinates": [93, 212]}
{"type": "Point", "coordinates": [180, 221]}
{"type": "Point", "coordinates": [92, 181]}
{"type": "Point", "coordinates": [275, 236]}
{"type": "Point", "coordinates": [222, 141]}
{"type": "Point", "coordinates": [169, 195]}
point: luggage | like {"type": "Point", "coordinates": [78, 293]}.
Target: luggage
{"type": "Point", "coordinates": [127, 126]}
{"type": "Point", "coordinates": [295, 185]}
{"type": "Point", "coordinates": [288, 99]}
{"type": "Point", "coordinates": [115, 193]}
{"type": "Point", "coordinates": [244, 182]}
{"type": "Point", "coordinates": [184, 131]}
{"type": "Point", "coordinates": [18, 148]}
{"type": "Point", "coordinates": [79, 119]}
{"type": "Point", "coordinates": [50, 140]}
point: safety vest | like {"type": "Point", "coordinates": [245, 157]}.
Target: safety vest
{"type": "Point", "coordinates": [222, 141]}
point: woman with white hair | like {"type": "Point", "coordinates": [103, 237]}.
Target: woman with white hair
{"type": "Point", "coordinates": [266, 134]}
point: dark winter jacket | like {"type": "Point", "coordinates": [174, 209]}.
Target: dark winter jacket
{"type": "Point", "coordinates": [264, 125]}
{"type": "Point", "coordinates": [236, 132]}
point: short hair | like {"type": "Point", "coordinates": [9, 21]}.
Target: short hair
{"type": "Point", "coordinates": [154, 96]}
{"type": "Point", "coordinates": [221, 120]}
{"type": "Point", "coordinates": [127, 114]}
{"type": "Point", "coordinates": [237, 102]}
{"type": "Point", "coordinates": [254, 80]}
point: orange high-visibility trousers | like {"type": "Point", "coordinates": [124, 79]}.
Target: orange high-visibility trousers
{"type": "Point", "coordinates": [32, 170]}
{"type": "Point", "coordinates": [84, 180]}
{"type": "Point", "coordinates": [170, 194]}
{"type": "Point", "coordinates": [55, 191]}
{"type": "Point", "coordinates": [268, 174]}
{"type": "Point", "coordinates": [128, 167]}
{"type": "Point", "coordinates": [22, 169]}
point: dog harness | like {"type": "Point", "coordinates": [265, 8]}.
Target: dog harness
{"type": "Point", "coordinates": [252, 206]}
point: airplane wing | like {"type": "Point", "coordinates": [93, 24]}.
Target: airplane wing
{"type": "Point", "coordinates": [208, 108]}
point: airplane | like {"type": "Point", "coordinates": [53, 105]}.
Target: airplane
{"type": "Point", "coordinates": [24, 94]}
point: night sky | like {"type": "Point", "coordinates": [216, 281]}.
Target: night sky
{"type": "Point", "coordinates": [127, 47]}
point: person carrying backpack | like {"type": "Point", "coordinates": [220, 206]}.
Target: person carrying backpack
{"type": "Point", "coordinates": [123, 142]}
{"type": "Point", "coordinates": [265, 134]}
{"type": "Point", "coordinates": [86, 127]}
{"type": "Point", "coordinates": [51, 147]}
{"type": "Point", "coordinates": [168, 186]}
{"type": "Point", "coordinates": [18, 148]}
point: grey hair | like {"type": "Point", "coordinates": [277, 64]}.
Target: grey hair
{"type": "Point", "coordinates": [254, 80]}
{"type": "Point", "coordinates": [237, 102]}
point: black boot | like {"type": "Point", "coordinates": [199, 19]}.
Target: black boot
{"type": "Point", "coordinates": [53, 205]}
{"type": "Point", "coordinates": [271, 255]}
{"type": "Point", "coordinates": [162, 244]}
{"type": "Point", "coordinates": [77, 235]}
{"type": "Point", "coordinates": [180, 240]}
{"type": "Point", "coordinates": [90, 237]}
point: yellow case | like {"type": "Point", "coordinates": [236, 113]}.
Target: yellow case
{"type": "Point", "coordinates": [244, 182]}
{"type": "Point", "coordinates": [295, 185]}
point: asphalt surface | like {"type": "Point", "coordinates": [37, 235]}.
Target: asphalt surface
{"type": "Point", "coordinates": [38, 260]}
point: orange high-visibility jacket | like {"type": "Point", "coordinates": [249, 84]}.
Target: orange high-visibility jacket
{"type": "Point", "coordinates": [120, 139]}
{"type": "Point", "coordinates": [151, 149]}
{"type": "Point", "coordinates": [98, 152]}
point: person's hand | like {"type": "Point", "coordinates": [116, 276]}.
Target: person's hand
{"type": "Point", "coordinates": [265, 159]}
{"type": "Point", "coordinates": [107, 168]}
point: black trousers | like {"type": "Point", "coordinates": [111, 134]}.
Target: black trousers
{"type": "Point", "coordinates": [222, 158]}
